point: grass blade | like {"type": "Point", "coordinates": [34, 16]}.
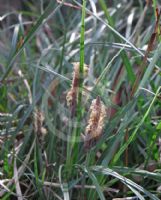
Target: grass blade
{"type": "Point", "coordinates": [43, 18]}
{"type": "Point", "coordinates": [133, 135]}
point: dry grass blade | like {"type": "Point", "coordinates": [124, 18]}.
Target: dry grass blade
{"type": "Point", "coordinates": [16, 180]}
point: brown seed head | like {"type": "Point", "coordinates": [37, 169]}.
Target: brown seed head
{"type": "Point", "coordinates": [95, 123]}
{"type": "Point", "coordinates": [38, 126]}
{"type": "Point", "coordinates": [72, 94]}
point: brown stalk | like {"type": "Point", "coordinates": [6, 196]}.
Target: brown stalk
{"type": "Point", "coordinates": [149, 48]}
{"type": "Point", "coordinates": [68, 4]}
{"type": "Point", "coordinates": [116, 98]}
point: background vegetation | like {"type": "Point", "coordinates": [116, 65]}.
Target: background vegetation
{"type": "Point", "coordinates": [42, 153]}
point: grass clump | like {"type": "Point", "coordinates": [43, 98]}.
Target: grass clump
{"type": "Point", "coordinates": [70, 130]}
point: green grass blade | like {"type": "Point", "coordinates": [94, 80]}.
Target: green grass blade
{"type": "Point", "coordinates": [124, 56]}
{"type": "Point", "coordinates": [144, 173]}
{"type": "Point", "coordinates": [150, 67]}
{"type": "Point", "coordinates": [43, 18]}
{"type": "Point", "coordinates": [124, 180]}
{"type": "Point", "coordinates": [133, 135]}
{"type": "Point", "coordinates": [95, 182]}
{"type": "Point", "coordinates": [81, 68]}
{"type": "Point", "coordinates": [76, 132]}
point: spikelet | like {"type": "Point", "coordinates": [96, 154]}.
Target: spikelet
{"type": "Point", "coordinates": [38, 127]}
{"type": "Point", "coordinates": [96, 122]}
{"type": "Point", "coordinates": [72, 94]}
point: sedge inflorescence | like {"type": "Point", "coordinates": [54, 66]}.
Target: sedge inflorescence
{"type": "Point", "coordinates": [72, 94]}
{"type": "Point", "coordinates": [95, 124]}
{"type": "Point", "coordinates": [96, 121]}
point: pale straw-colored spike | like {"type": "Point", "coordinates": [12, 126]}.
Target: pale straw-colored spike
{"type": "Point", "coordinates": [96, 123]}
